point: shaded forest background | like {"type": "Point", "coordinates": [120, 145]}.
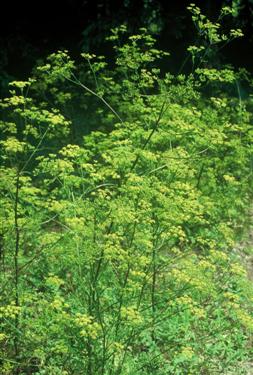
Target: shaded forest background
{"type": "Point", "coordinates": [32, 31]}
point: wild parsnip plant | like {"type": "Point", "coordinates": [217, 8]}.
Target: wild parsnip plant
{"type": "Point", "coordinates": [117, 247]}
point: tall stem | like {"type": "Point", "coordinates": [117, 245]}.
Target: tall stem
{"type": "Point", "coordinates": [153, 287]}
{"type": "Point", "coordinates": [16, 268]}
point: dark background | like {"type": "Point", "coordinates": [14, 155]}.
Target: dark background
{"type": "Point", "coordinates": [31, 30]}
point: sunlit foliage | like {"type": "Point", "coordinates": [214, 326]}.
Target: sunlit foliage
{"type": "Point", "coordinates": [117, 247]}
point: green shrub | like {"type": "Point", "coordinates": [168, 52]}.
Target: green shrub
{"type": "Point", "coordinates": [117, 248]}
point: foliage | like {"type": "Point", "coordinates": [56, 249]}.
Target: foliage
{"type": "Point", "coordinates": [213, 36]}
{"type": "Point", "coordinates": [117, 247]}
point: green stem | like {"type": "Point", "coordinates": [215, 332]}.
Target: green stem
{"type": "Point", "coordinates": [16, 270]}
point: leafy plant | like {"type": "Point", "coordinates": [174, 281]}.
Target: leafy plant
{"type": "Point", "coordinates": [117, 246]}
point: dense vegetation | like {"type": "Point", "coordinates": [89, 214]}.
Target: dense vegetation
{"type": "Point", "coordinates": [117, 245]}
